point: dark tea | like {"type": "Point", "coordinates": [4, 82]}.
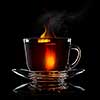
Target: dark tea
{"type": "Point", "coordinates": [46, 56]}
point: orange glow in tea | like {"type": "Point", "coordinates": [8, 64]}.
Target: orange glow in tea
{"type": "Point", "coordinates": [50, 56]}
{"type": "Point", "coordinates": [50, 59]}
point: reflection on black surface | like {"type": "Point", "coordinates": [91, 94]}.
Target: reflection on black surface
{"type": "Point", "coordinates": [28, 90]}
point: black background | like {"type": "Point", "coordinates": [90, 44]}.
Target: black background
{"type": "Point", "coordinates": [22, 18]}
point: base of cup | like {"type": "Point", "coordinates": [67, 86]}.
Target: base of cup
{"type": "Point", "coordinates": [48, 80]}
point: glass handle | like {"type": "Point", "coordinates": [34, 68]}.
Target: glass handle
{"type": "Point", "coordinates": [78, 50]}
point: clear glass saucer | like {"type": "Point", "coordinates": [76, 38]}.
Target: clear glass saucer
{"type": "Point", "coordinates": [48, 74]}
{"type": "Point", "coordinates": [47, 81]}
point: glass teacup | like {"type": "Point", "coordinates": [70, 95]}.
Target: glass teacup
{"type": "Point", "coordinates": [48, 61]}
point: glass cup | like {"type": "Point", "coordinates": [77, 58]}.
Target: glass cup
{"type": "Point", "coordinates": [48, 61]}
{"type": "Point", "coordinates": [51, 55]}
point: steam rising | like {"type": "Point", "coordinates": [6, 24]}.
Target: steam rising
{"type": "Point", "coordinates": [54, 20]}
{"type": "Point", "coordinates": [60, 21]}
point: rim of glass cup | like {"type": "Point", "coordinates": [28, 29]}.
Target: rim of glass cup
{"type": "Point", "coordinates": [63, 38]}
{"type": "Point", "coordinates": [32, 38]}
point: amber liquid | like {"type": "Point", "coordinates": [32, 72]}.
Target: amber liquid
{"type": "Point", "coordinates": [49, 56]}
